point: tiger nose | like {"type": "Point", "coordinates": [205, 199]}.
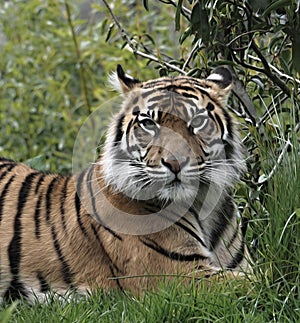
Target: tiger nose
{"type": "Point", "coordinates": [175, 164]}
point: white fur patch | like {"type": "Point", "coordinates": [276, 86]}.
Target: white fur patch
{"type": "Point", "coordinates": [215, 77]}
{"type": "Point", "coordinates": [114, 82]}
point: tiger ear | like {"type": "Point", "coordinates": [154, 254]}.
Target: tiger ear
{"type": "Point", "coordinates": [222, 77]}
{"type": "Point", "coordinates": [121, 81]}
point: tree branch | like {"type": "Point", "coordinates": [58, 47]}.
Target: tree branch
{"type": "Point", "coordinates": [184, 11]}
{"type": "Point", "coordinates": [196, 47]}
{"type": "Point", "coordinates": [133, 47]}
{"type": "Point", "coordinates": [268, 72]}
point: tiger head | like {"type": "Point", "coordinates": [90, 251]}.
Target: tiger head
{"type": "Point", "coordinates": [172, 137]}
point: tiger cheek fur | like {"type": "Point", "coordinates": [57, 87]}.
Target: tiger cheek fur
{"type": "Point", "coordinates": [172, 154]}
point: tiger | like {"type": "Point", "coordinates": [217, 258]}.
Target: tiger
{"type": "Point", "coordinates": [156, 203]}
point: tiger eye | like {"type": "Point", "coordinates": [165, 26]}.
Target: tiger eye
{"type": "Point", "coordinates": [148, 124]}
{"type": "Point", "coordinates": [197, 122]}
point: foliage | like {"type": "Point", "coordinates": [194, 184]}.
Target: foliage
{"type": "Point", "coordinates": [53, 69]}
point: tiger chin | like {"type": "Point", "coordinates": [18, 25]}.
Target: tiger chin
{"type": "Point", "coordinates": [156, 204]}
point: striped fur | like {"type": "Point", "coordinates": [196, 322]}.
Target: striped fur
{"type": "Point", "coordinates": [171, 157]}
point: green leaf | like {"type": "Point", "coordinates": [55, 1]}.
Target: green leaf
{"type": "Point", "coordinates": [177, 15]}
{"type": "Point", "coordinates": [195, 72]}
{"type": "Point", "coordinates": [38, 162]}
{"type": "Point", "coordinates": [199, 22]}
{"type": "Point", "coordinates": [185, 35]}
{"type": "Point", "coordinates": [110, 30]}
{"type": "Point", "coordinates": [296, 50]}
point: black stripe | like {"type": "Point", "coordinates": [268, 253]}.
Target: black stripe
{"type": "Point", "coordinates": [186, 102]}
{"type": "Point", "coordinates": [37, 220]}
{"type": "Point", "coordinates": [39, 182]}
{"type": "Point", "coordinates": [238, 257]}
{"type": "Point", "coordinates": [158, 98]}
{"type": "Point", "coordinates": [192, 233]}
{"type": "Point", "coordinates": [65, 270]}
{"type": "Point", "coordinates": [244, 226]}
{"type": "Point", "coordinates": [79, 184]}
{"type": "Point", "coordinates": [180, 87]}
{"type": "Point", "coordinates": [229, 123]}
{"type": "Point", "coordinates": [153, 106]}
{"type": "Point", "coordinates": [127, 133]}
{"type": "Point", "coordinates": [7, 164]}
{"type": "Point", "coordinates": [78, 215]}
{"type": "Point", "coordinates": [200, 89]}
{"type": "Point", "coordinates": [218, 229]}
{"type": "Point", "coordinates": [95, 213]}
{"type": "Point", "coordinates": [119, 131]}
{"type": "Point", "coordinates": [77, 201]}
{"type": "Point", "coordinates": [233, 237]}
{"type": "Point", "coordinates": [6, 160]}
{"type": "Point", "coordinates": [3, 195]}
{"type": "Point", "coordinates": [220, 124]}
{"type": "Point", "coordinates": [223, 219]}
{"type": "Point", "coordinates": [184, 111]}
{"type": "Point", "coordinates": [159, 116]}
{"type": "Point", "coordinates": [196, 216]}
{"type": "Point", "coordinates": [49, 196]}
{"type": "Point", "coordinates": [189, 222]}
{"type": "Point", "coordinates": [172, 254]}
{"type": "Point", "coordinates": [112, 266]}
{"type": "Point", "coordinates": [189, 95]}
{"type": "Point", "coordinates": [44, 287]}
{"type": "Point", "coordinates": [229, 149]}
{"type": "Point", "coordinates": [150, 92]}
{"type": "Point", "coordinates": [10, 167]}
{"type": "Point", "coordinates": [15, 291]}
{"type": "Point", "coordinates": [62, 203]}
{"type": "Point", "coordinates": [14, 248]}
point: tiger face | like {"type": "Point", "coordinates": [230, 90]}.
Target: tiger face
{"type": "Point", "coordinates": [172, 137]}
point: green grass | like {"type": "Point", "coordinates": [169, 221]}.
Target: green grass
{"type": "Point", "coordinates": [230, 302]}
{"type": "Point", "coordinates": [271, 296]}
{"type": "Point", "coordinates": [173, 303]}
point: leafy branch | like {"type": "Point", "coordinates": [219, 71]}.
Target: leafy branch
{"type": "Point", "coordinates": [135, 49]}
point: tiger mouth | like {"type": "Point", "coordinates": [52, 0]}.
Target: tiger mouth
{"type": "Point", "coordinates": [174, 183]}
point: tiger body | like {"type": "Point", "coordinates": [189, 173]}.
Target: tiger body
{"type": "Point", "coordinates": [156, 203]}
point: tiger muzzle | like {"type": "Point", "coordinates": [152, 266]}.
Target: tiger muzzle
{"type": "Point", "coordinates": [175, 164]}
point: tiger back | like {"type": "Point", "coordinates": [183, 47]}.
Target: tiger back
{"type": "Point", "coordinates": [156, 202]}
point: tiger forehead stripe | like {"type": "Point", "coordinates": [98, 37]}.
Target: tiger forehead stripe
{"type": "Point", "coordinates": [186, 87]}
{"type": "Point", "coordinates": [164, 94]}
